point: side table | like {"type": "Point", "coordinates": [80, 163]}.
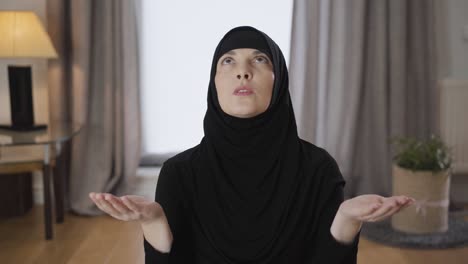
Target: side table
{"type": "Point", "coordinates": [52, 141]}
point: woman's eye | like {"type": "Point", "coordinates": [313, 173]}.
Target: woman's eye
{"type": "Point", "coordinates": [227, 60]}
{"type": "Point", "coordinates": [261, 59]}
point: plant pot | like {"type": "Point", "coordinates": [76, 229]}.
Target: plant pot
{"type": "Point", "coordinates": [429, 214]}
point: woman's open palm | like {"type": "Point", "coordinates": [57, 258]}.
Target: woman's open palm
{"type": "Point", "coordinates": [128, 207]}
{"type": "Point", "coordinates": [374, 208]}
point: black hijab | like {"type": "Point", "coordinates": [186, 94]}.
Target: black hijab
{"type": "Point", "coordinates": [248, 188]}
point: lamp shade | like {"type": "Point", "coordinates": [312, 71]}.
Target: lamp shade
{"type": "Point", "coordinates": [22, 35]}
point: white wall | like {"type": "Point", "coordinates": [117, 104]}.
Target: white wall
{"type": "Point", "coordinates": [40, 92]}
{"type": "Point", "coordinates": [39, 68]}
{"type": "Point", "coordinates": [456, 13]}
{"type": "Point", "coordinates": [457, 24]}
{"type": "Point", "coordinates": [178, 42]}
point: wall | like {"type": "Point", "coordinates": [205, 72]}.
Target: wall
{"type": "Point", "coordinates": [456, 19]}
{"type": "Point", "coordinates": [40, 93]}
{"type": "Point", "coordinates": [39, 68]}
{"type": "Point", "coordinates": [457, 31]}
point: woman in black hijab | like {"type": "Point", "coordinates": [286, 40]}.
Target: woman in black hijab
{"type": "Point", "coordinates": [252, 191]}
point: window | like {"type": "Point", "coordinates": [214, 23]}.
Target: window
{"type": "Point", "coordinates": [178, 40]}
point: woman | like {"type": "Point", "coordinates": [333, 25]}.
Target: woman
{"type": "Point", "coordinates": [252, 191]}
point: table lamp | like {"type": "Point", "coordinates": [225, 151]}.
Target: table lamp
{"type": "Point", "coordinates": [22, 36]}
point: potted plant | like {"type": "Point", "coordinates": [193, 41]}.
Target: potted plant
{"type": "Point", "coordinates": [421, 169]}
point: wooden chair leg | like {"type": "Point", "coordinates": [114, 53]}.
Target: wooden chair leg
{"type": "Point", "coordinates": [47, 202]}
{"type": "Point", "coordinates": [59, 192]}
{"type": "Point", "coordinates": [61, 172]}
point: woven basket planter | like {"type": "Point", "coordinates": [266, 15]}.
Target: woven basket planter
{"type": "Point", "coordinates": [429, 214]}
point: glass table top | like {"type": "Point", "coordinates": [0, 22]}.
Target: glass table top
{"type": "Point", "coordinates": [56, 132]}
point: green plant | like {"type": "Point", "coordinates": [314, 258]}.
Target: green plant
{"type": "Point", "coordinates": [431, 154]}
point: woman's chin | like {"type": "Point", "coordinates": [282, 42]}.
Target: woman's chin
{"type": "Point", "coordinates": [244, 113]}
{"type": "Point", "coordinates": [247, 114]}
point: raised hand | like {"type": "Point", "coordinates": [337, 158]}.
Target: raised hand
{"type": "Point", "coordinates": [373, 208]}
{"type": "Point", "coordinates": [364, 208]}
{"type": "Point", "coordinates": [151, 215]}
{"type": "Point", "coordinates": [128, 207]}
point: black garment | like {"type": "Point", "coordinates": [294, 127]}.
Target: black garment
{"type": "Point", "coordinates": [306, 247]}
{"type": "Point", "coordinates": [252, 191]}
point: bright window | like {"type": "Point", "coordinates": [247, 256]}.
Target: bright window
{"type": "Point", "coordinates": [178, 39]}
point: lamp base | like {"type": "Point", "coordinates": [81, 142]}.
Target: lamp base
{"type": "Point", "coordinates": [23, 128]}
{"type": "Point", "coordinates": [21, 100]}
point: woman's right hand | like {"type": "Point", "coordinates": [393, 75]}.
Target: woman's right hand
{"type": "Point", "coordinates": [132, 207]}
{"type": "Point", "coordinates": [128, 207]}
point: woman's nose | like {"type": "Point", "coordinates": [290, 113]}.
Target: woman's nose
{"type": "Point", "coordinates": [245, 75]}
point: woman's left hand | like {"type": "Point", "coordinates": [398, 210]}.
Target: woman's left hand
{"type": "Point", "coordinates": [364, 208]}
{"type": "Point", "coordinates": [372, 207]}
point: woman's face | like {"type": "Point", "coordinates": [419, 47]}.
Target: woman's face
{"type": "Point", "coordinates": [244, 82]}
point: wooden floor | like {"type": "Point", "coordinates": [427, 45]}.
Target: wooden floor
{"type": "Point", "coordinates": [105, 240]}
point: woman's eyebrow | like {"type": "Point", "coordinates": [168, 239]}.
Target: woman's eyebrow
{"type": "Point", "coordinates": [256, 52]}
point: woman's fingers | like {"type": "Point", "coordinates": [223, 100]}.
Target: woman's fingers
{"type": "Point", "coordinates": [371, 209]}
{"type": "Point", "coordinates": [128, 207]}
{"type": "Point", "coordinates": [402, 203]}
{"type": "Point", "coordinates": [98, 201]}
{"type": "Point", "coordinates": [130, 204]}
{"type": "Point", "coordinates": [117, 204]}
{"type": "Point", "coordinates": [391, 206]}
{"type": "Point", "coordinates": [93, 197]}
{"type": "Point", "coordinates": [106, 206]}
{"type": "Point", "coordinates": [386, 207]}
{"type": "Point", "coordinates": [393, 211]}
{"type": "Point", "coordinates": [366, 211]}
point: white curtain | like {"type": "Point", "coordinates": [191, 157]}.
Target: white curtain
{"type": "Point", "coordinates": [363, 71]}
{"type": "Point", "coordinates": [95, 83]}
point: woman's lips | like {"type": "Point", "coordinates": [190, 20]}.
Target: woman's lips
{"type": "Point", "coordinates": [243, 91]}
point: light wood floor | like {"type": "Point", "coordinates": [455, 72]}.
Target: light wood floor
{"type": "Point", "coordinates": [105, 240]}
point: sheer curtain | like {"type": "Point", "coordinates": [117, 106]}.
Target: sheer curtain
{"type": "Point", "coordinates": [363, 71]}
{"type": "Point", "coordinates": [95, 83]}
